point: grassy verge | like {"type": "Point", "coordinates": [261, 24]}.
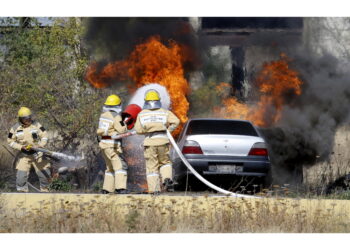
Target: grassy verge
{"type": "Point", "coordinates": [145, 214]}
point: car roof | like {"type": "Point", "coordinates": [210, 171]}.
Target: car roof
{"type": "Point", "coordinates": [221, 119]}
{"type": "Point", "coordinates": [217, 119]}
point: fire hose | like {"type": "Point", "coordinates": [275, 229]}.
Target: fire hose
{"type": "Point", "coordinates": [188, 165]}
{"type": "Point", "coordinates": [56, 155]}
{"type": "Point", "coordinates": [130, 114]}
{"type": "Point", "coordinates": [120, 136]}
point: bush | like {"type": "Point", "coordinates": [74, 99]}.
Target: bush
{"type": "Point", "coordinates": [43, 67]}
{"type": "Point", "coordinates": [60, 185]}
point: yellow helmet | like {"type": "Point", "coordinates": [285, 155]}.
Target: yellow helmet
{"type": "Point", "coordinates": [152, 95]}
{"type": "Point", "coordinates": [24, 112]}
{"type": "Point", "coordinates": [113, 100]}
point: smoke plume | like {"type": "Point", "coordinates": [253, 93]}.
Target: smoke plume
{"type": "Point", "coordinates": [111, 38]}
{"type": "Point", "coordinates": [305, 133]}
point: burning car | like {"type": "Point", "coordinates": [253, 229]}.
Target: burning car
{"type": "Point", "coordinates": [222, 147]}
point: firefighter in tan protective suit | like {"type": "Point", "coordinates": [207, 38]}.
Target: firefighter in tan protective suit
{"type": "Point", "coordinates": [110, 124]}
{"type": "Point", "coordinates": [153, 121]}
{"type": "Point", "coordinates": [23, 136]}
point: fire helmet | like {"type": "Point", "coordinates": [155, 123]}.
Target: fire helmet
{"type": "Point", "coordinates": [113, 100]}
{"type": "Point", "coordinates": [152, 95]}
{"type": "Point", "coordinates": [24, 112]}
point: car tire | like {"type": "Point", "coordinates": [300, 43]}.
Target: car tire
{"type": "Point", "coordinates": [180, 184]}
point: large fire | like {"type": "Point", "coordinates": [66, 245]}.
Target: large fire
{"type": "Point", "coordinates": [150, 62]}
{"type": "Point", "coordinates": [277, 83]}
{"type": "Point", "coordinates": [153, 61]}
{"type": "Point", "coordinates": [102, 78]}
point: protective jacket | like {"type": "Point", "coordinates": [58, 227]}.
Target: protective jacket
{"type": "Point", "coordinates": [153, 123]}
{"type": "Point", "coordinates": [110, 123]}
{"type": "Point", "coordinates": [19, 136]}
{"type": "Point", "coordinates": [35, 135]}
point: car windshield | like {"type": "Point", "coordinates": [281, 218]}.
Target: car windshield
{"type": "Point", "coordinates": [222, 127]}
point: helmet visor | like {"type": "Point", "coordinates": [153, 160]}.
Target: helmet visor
{"type": "Point", "coordinates": [26, 120]}
{"type": "Point", "coordinates": [152, 105]}
{"type": "Point", "coordinates": [116, 108]}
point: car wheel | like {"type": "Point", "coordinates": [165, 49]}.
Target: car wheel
{"type": "Point", "coordinates": [180, 184]}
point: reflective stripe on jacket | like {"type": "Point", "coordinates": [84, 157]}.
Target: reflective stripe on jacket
{"type": "Point", "coordinates": [110, 123]}
{"type": "Point", "coordinates": [35, 134]}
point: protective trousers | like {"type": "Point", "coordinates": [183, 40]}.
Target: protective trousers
{"type": "Point", "coordinates": [116, 174]}
{"type": "Point", "coordinates": [42, 169]}
{"type": "Point", "coordinates": [157, 162]}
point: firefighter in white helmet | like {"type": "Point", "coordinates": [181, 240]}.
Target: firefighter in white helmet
{"type": "Point", "coordinates": [153, 121]}
{"type": "Point", "coordinates": [110, 124]}
{"type": "Point", "coordinates": [23, 136]}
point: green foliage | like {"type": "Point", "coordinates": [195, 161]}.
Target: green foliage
{"type": "Point", "coordinates": [216, 69]}
{"type": "Point", "coordinates": [60, 185]}
{"type": "Point", "coordinates": [340, 195]}
{"type": "Point", "coordinates": [204, 99]}
{"type": "Point", "coordinates": [97, 187]}
{"type": "Point", "coordinates": [43, 68]}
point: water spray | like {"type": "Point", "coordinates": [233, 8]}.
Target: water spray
{"type": "Point", "coordinates": [59, 155]}
{"type": "Point", "coordinates": [120, 136]}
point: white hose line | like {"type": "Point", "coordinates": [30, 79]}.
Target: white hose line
{"type": "Point", "coordinates": [35, 189]}
{"type": "Point", "coordinates": [188, 165]}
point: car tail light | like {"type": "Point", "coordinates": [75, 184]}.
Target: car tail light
{"type": "Point", "coordinates": [259, 149]}
{"type": "Point", "coordinates": [192, 147]}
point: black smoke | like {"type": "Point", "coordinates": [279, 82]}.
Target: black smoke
{"type": "Point", "coordinates": [305, 133]}
{"type": "Point", "coordinates": [114, 38]}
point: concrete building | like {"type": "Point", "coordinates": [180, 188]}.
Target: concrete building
{"type": "Point", "coordinates": [240, 45]}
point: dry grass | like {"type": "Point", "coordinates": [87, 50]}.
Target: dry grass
{"type": "Point", "coordinates": [204, 215]}
{"type": "Point", "coordinates": [177, 215]}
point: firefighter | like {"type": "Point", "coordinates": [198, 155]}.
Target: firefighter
{"type": "Point", "coordinates": [23, 136]}
{"type": "Point", "coordinates": [110, 124]}
{"type": "Point", "coordinates": [153, 121]}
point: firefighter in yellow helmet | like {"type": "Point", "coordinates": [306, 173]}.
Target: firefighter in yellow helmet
{"type": "Point", "coordinates": [110, 124]}
{"type": "Point", "coordinates": [153, 121]}
{"type": "Point", "coordinates": [23, 136]}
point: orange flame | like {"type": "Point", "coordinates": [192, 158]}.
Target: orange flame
{"type": "Point", "coordinates": [233, 109]}
{"type": "Point", "coordinates": [154, 62]}
{"type": "Point", "coordinates": [276, 82]}
{"type": "Point", "coordinates": [110, 72]}
{"type": "Point", "coordinates": [150, 62]}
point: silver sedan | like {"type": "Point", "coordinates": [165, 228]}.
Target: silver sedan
{"type": "Point", "coordinates": [222, 147]}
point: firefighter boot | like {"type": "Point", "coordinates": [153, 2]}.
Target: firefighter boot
{"type": "Point", "coordinates": [154, 193]}
{"type": "Point", "coordinates": [169, 185]}
{"type": "Point", "coordinates": [121, 191]}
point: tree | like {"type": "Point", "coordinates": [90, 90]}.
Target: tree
{"type": "Point", "coordinates": [42, 67]}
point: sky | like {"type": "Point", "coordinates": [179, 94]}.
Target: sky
{"type": "Point", "coordinates": [174, 8]}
